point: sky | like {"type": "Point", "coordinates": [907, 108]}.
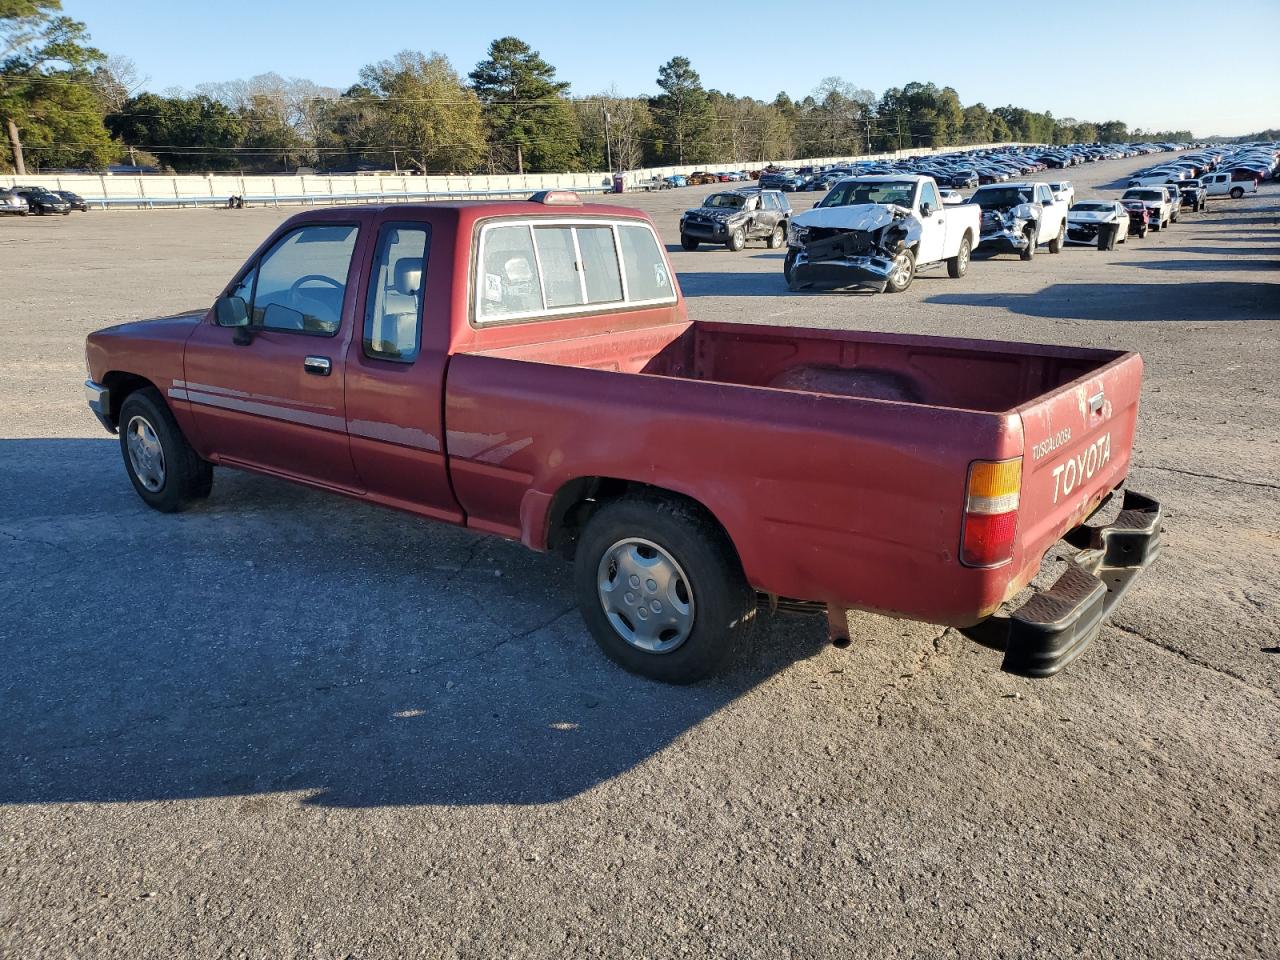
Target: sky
{"type": "Point", "coordinates": [1218, 72]}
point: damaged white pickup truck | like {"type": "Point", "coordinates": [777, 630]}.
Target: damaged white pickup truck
{"type": "Point", "coordinates": [876, 232]}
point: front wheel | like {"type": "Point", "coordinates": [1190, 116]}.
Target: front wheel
{"type": "Point", "coordinates": [1055, 245]}
{"type": "Point", "coordinates": [737, 240]}
{"type": "Point", "coordinates": [661, 589]}
{"type": "Point", "coordinates": [903, 272]}
{"type": "Point", "coordinates": [687, 242]}
{"type": "Point", "coordinates": [777, 238]}
{"type": "Point", "coordinates": [1142, 231]}
{"type": "Point", "coordinates": [1030, 250]}
{"type": "Point", "coordinates": [958, 265]}
{"type": "Point", "coordinates": [788, 268]}
{"type": "Point", "coordinates": [165, 471]}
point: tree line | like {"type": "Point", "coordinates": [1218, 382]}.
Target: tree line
{"type": "Point", "coordinates": [66, 104]}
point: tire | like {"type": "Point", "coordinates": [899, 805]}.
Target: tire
{"type": "Point", "coordinates": [687, 242]}
{"type": "Point", "coordinates": [696, 569]}
{"type": "Point", "coordinates": [904, 271]}
{"type": "Point", "coordinates": [737, 240]}
{"type": "Point", "coordinates": [1055, 245]}
{"type": "Point", "coordinates": [182, 477]}
{"type": "Point", "coordinates": [958, 265]}
{"type": "Point", "coordinates": [788, 265]}
{"type": "Point", "coordinates": [778, 237]}
{"type": "Point", "coordinates": [1237, 193]}
{"type": "Point", "coordinates": [1142, 231]}
{"type": "Point", "coordinates": [1030, 251]}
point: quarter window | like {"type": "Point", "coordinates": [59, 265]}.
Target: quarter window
{"type": "Point", "coordinates": [393, 309]}
{"type": "Point", "coordinates": [302, 280]}
{"type": "Point", "coordinates": [531, 270]}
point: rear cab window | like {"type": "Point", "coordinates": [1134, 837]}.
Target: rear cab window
{"type": "Point", "coordinates": [541, 268]}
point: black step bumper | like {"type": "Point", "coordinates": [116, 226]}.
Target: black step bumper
{"type": "Point", "coordinates": [1054, 626]}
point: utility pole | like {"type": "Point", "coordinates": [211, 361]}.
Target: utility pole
{"type": "Point", "coordinates": [608, 149]}
{"type": "Point", "coordinates": [519, 159]}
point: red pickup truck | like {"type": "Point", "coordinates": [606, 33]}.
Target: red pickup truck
{"type": "Point", "coordinates": [527, 369]}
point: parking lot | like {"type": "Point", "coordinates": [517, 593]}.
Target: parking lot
{"type": "Point", "coordinates": [287, 725]}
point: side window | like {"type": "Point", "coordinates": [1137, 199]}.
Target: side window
{"type": "Point", "coordinates": [393, 308]}
{"type": "Point", "coordinates": [302, 279]}
{"type": "Point", "coordinates": [508, 281]}
{"type": "Point", "coordinates": [244, 289]}
{"type": "Point", "coordinates": [929, 195]}
{"type": "Point", "coordinates": [646, 271]}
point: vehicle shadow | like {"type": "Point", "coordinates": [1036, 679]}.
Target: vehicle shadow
{"type": "Point", "coordinates": [278, 639]}
{"type": "Point", "coordinates": [1200, 301]}
{"type": "Point", "coordinates": [1227, 251]}
{"type": "Point", "coordinates": [1218, 265]}
{"type": "Point", "coordinates": [718, 284]}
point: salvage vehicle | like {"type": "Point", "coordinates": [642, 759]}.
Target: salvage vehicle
{"type": "Point", "coordinates": [875, 232]}
{"type": "Point", "coordinates": [1156, 200]}
{"type": "Point", "coordinates": [77, 202]}
{"type": "Point", "coordinates": [1139, 217]}
{"type": "Point", "coordinates": [1088, 216]}
{"type": "Point", "coordinates": [734, 217]}
{"type": "Point", "coordinates": [653, 183]}
{"type": "Point", "coordinates": [472, 362]}
{"type": "Point", "coordinates": [12, 202]}
{"type": "Point", "coordinates": [41, 201]}
{"type": "Point", "coordinates": [1226, 184]}
{"type": "Point", "coordinates": [1192, 194]}
{"type": "Point", "coordinates": [1065, 191]}
{"type": "Point", "coordinates": [1018, 217]}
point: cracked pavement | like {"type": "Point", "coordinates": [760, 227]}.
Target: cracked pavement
{"type": "Point", "coordinates": [289, 725]}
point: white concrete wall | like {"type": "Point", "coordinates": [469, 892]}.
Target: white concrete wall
{"type": "Point", "coordinates": [160, 190]}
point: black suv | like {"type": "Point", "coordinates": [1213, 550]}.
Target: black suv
{"type": "Point", "coordinates": [42, 201]}
{"type": "Point", "coordinates": [736, 216]}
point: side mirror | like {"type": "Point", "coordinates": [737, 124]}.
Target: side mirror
{"type": "Point", "coordinates": [231, 312]}
{"type": "Point", "coordinates": [925, 210]}
{"type": "Point", "coordinates": [1046, 203]}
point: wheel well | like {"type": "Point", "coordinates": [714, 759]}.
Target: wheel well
{"type": "Point", "coordinates": [577, 500]}
{"type": "Point", "coordinates": [121, 384]}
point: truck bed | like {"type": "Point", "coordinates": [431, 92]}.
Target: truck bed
{"type": "Point", "coordinates": [836, 460]}
{"type": "Point", "coordinates": [930, 371]}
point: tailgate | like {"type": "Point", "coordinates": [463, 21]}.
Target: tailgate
{"type": "Point", "coordinates": [1078, 440]}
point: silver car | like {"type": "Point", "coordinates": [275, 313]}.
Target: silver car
{"type": "Point", "coordinates": [13, 203]}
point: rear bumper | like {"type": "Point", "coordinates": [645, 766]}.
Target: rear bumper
{"type": "Point", "coordinates": [1054, 626]}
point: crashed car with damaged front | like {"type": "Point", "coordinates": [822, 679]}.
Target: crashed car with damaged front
{"type": "Point", "coordinates": [1018, 217]}
{"type": "Point", "coordinates": [876, 232]}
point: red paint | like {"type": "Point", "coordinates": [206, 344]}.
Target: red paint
{"type": "Point", "coordinates": [842, 482]}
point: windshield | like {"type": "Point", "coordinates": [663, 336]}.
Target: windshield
{"type": "Point", "coordinates": [1001, 197]}
{"type": "Point", "coordinates": [1091, 207]}
{"type": "Point", "coordinates": [724, 200]}
{"type": "Point", "coordinates": [876, 191]}
{"type": "Point", "coordinates": [1144, 195]}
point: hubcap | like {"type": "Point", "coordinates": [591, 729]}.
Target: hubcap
{"type": "Point", "coordinates": [964, 255]}
{"type": "Point", "coordinates": [146, 455]}
{"type": "Point", "coordinates": [901, 270]}
{"type": "Point", "coordinates": [645, 595]}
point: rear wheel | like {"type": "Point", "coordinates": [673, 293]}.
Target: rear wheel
{"type": "Point", "coordinates": [661, 589]}
{"type": "Point", "coordinates": [1237, 193]}
{"type": "Point", "coordinates": [902, 273]}
{"type": "Point", "coordinates": [164, 469]}
{"type": "Point", "coordinates": [958, 265]}
{"type": "Point", "coordinates": [687, 242]}
{"type": "Point", "coordinates": [1055, 245]}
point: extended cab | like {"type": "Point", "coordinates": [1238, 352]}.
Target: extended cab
{"type": "Point", "coordinates": [527, 369]}
{"type": "Point", "coordinates": [1019, 217]}
{"type": "Point", "coordinates": [877, 231]}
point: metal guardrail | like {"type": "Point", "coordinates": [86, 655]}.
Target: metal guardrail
{"type": "Point", "coordinates": [308, 199]}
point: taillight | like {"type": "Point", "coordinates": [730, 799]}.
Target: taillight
{"type": "Point", "coordinates": [991, 512]}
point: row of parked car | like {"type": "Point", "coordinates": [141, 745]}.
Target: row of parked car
{"type": "Point", "coordinates": [1223, 171]}
{"type": "Point", "coordinates": [21, 201]}
{"type": "Point", "coordinates": [878, 229]}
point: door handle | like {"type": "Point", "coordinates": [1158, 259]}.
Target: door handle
{"type": "Point", "coordinates": [320, 366]}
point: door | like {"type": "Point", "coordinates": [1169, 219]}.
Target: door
{"type": "Point", "coordinates": [396, 368]}
{"type": "Point", "coordinates": [270, 395]}
{"type": "Point", "coordinates": [933, 228]}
